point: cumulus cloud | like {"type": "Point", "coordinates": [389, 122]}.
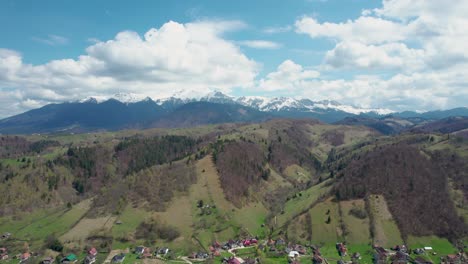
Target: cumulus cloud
{"type": "Point", "coordinates": [174, 56]}
{"type": "Point", "coordinates": [419, 45]}
{"type": "Point", "coordinates": [288, 76]}
{"type": "Point", "coordinates": [382, 37]}
{"type": "Point", "coordinates": [260, 44]}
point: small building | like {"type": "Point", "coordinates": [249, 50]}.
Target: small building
{"type": "Point", "coordinates": [419, 251]}
{"type": "Point", "coordinates": [139, 250]}
{"type": "Point", "coordinates": [3, 254]}
{"type": "Point", "coordinates": [48, 260]}
{"type": "Point", "coordinates": [427, 248]}
{"type": "Point", "coordinates": [356, 256]}
{"type": "Point", "coordinates": [118, 258]}
{"type": "Point", "coordinates": [92, 251]}
{"type": "Point", "coordinates": [293, 254]}
{"type": "Point", "coordinates": [25, 257]}
{"type": "Point", "coordinates": [146, 253]}
{"type": "Point", "coordinates": [342, 250]}
{"type": "Point", "coordinates": [69, 259]}
{"type": "Point", "coordinates": [453, 259]}
{"type": "Point", "coordinates": [163, 251]}
{"type": "Point", "coordinates": [317, 259]}
{"type": "Point", "coordinates": [90, 259]}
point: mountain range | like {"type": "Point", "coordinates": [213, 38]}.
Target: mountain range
{"type": "Point", "coordinates": [127, 111]}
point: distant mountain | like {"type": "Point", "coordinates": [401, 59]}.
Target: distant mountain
{"type": "Point", "coordinates": [386, 125]}
{"type": "Point", "coordinates": [124, 111]}
{"type": "Point", "coordinates": [85, 116]}
{"type": "Point", "coordinates": [446, 125]}
{"type": "Point", "coordinates": [203, 113]}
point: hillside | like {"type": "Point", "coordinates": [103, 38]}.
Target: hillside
{"type": "Point", "coordinates": [300, 180]}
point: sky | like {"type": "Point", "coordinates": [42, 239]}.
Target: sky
{"type": "Point", "coordinates": [393, 54]}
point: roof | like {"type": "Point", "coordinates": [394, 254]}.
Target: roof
{"type": "Point", "coordinates": [25, 255]}
{"type": "Point", "coordinates": [293, 253]}
{"type": "Point", "coordinates": [93, 251]}
{"type": "Point", "coordinates": [71, 257]}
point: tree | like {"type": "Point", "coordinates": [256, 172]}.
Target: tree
{"type": "Point", "coordinates": [53, 243]}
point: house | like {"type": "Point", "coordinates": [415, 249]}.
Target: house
{"type": "Point", "coordinates": [146, 253]}
{"type": "Point", "coordinates": [356, 256]}
{"type": "Point", "coordinates": [118, 258]}
{"type": "Point", "coordinates": [453, 259]}
{"type": "Point", "coordinates": [419, 251]}
{"type": "Point", "coordinates": [342, 250]}
{"type": "Point", "coordinates": [139, 250]}
{"type": "Point", "coordinates": [90, 259]}
{"type": "Point", "coordinates": [24, 257]}
{"type": "Point", "coordinates": [3, 254]}
{"type": "Point", "coordinates": [380, 255]}
{"type": "Point", "coordinates": [427, 248]}
{"type": "Point", "coordinates": [69, 259]}
{"type": "Point", "coordinates": [293, 254]}
{"type": "Point", "coordinates": [299, 248]}
{"type": "Point", "coordinates": [401, 248]}
{"type": "Point", "coordinates": [317, 259]}
{"type": "Point", "coordinates": [48, 260]}
{"type": "Point", "coordinates": [280, 242]}
{"type": "Point", "coordinates": [199, 255]}
{"type": "Point", "coordinates": [400, 258]}
{"type": "Point", "coordinates": [93, 252]}
{"type": "Point", "coordinates": [163, 251]}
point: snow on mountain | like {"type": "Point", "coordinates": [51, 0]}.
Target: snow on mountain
{"type": "Point", "coordinates": [127, 98]}
{"type": "Point", "coordinates": [264, 104]}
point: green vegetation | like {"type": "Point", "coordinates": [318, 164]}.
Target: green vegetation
{"type": "Point", "coordinates": [303, 181]}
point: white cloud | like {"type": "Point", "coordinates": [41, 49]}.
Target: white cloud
{"type": "Point", "coordinates": [260, 44]}
{"type": "Point", "coordinates": [289, 76]}
{"type": "Point", "coordinates": [369, 30]}
{"type": "Point", "coordinates": [175, 56]}
{"type": "Point", "coordinates": [52, 40]}
{"type": "Point", "coordinates": [394, 56]}
{"type": "Point", "coordinates": [419, 44]}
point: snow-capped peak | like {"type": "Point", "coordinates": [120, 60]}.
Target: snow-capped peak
{"type": "Point", "coordinates": [260, 103]}
{"type": "Point", "coordinates": [129, 97]}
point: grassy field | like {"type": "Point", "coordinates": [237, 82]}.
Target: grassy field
{"type": "Point", "coordinates": [296, 206]}
{"type": "Point", "coordinates": [387, 233]}
{"type": "Point", "coordinates": [326, 223]}
{"type": "Point", "coordinates": [358, 229]}
{"type": "Point", "coordinates": [87, 226]}
{"type": "Point", "coordinates": [297, 173]}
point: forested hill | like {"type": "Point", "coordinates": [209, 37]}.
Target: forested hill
{"type": "Point", "coordinates": [293, 179]}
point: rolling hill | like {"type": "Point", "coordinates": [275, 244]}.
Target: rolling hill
{"type": "Point", "coordinates": [301, 180]}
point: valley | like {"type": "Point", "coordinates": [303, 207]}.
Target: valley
{"type": "Point", "coordinates": [290, 184]}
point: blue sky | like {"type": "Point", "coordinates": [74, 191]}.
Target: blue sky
{"type": "Point", "coordinates": [78, 21]}
{"type": "Point", "coordinates": [395, 54]}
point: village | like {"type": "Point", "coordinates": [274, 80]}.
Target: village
{"type": "Point", "coordinates": [238, 251]}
